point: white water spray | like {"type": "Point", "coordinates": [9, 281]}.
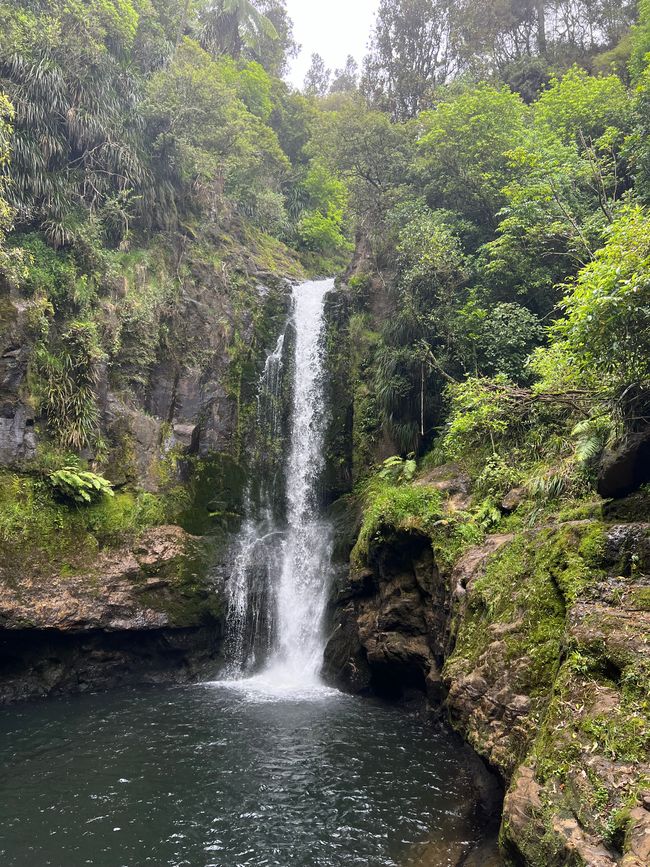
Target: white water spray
{"type": "Point", "coordinates": [294, 557]}
{"type": "Point", "coordinates": [302, 591]}
{"type": "Point", "coordinates": [249, 594]}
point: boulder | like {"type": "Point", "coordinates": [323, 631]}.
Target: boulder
{"type": "Point", "coordinates": [625, 468]}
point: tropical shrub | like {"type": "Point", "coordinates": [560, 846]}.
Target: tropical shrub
{"type": "Point", "coordinates": [79, 486]}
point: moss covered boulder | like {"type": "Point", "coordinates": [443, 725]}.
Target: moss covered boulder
{"type": "Point", "coordinates": [534, 641]}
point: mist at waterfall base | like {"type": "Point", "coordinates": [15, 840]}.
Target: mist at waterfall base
{"type": "Point", "coordinates": [266, 767]}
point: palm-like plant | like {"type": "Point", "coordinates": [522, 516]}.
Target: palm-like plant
{"type": "Point", "coordinates": [75, 129]}
{"type": "Point", "coordinates": [231, 25]}
{"type": "Point", "coordinates": [67, 386]}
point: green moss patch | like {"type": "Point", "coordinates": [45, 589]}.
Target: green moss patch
{"type": "Point", "coordinates": [38, 534]}
{"type": "Point", "coordinates": [184, 592]}
{"type": "Point", "coordinates": [525, 591]}
{"type": "Point", "coordinates": [216, 489]}
{"type": "Point", "coordinates": [395, 507]}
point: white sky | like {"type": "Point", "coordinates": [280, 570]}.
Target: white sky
{"type": "Point", "coordinates": [333, 28]}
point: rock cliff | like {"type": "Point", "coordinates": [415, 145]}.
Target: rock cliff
{"type": "Point", "coordinates": [141, 613]}
{"type": "Point", "coordinates": [535, 644]}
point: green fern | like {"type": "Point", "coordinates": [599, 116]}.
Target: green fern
{"type": "Point", "coordinates": [79, 486]}
{"type": "Point", "coordinates": [398, 470]}
{"type": "Point", "coordinates": [591, 437]}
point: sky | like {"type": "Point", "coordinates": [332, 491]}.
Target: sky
{"type": "Point", "coordinates": [333, 28]}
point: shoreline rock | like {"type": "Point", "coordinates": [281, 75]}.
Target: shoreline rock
{"type": "Point", "coordinates": [147, 612]}
{"type": "Point", "coordinates": [535, 646]}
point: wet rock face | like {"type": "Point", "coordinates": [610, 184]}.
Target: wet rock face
{"type": "Point", "coordinates": [537, 645]}
{"type": "Point", "coordinates": [17, 435]}
{"type": "Point", "coordinates": [390, 619]}
{"type": "Point", "coordinates": [144, 613]}
{"type": "Point", "coordinates": [187, 399]}
{"type": "Point", "coordinates": [39, 663]}
{"type": "Point", "coordinates": [184, 403]}
{"type": "Point", "coordinates": [486, 698]}
{"type": "Point", "coordinates": [569, 737]}
{"type": "Point", "coordinates": [597, 726]}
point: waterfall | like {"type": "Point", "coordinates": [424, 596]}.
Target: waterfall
{"type": "Point", "coordinates": [278, 590]}
{"type": "Point", "coordinates": [249, 627]}
{"type": "Point", "coordinates": [302, 589]}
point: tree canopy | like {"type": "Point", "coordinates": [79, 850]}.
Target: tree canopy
{"type": "Point", "coordinates": [489, 164]}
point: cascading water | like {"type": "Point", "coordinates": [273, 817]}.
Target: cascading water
{"type": "Point", "coordinates": [302, 590]}
{"type": "Point", "coordinates": [279, 587]}
{"type": "Point", "coordinates": [250, 607]}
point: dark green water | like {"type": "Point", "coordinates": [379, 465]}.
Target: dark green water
{"type": "Point", "coordinates": [216, 777]}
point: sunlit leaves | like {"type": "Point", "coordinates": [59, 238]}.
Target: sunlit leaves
{"type": "Point", "coordinates": [321, 226]}
{"type": "Point", "coordinates": [581, 108]}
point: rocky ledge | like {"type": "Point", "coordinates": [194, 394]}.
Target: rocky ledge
{"type": "Point", "coordinates": [144, 612]}
{"type": "Point", "coordinates": [536, 646]}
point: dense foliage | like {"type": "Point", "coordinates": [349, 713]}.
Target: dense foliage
{"type": "Point", "coordinates": [149, 114]}
{"type": "Point", "coordinates": [501, 191]}
{"type": "Point", "coordinates": [130, 132]}
{"type": "Point", "coordinates": [491, 163]}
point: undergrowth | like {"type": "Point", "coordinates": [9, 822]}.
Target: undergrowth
{"type": "Point", "coordinates": [38, 531]}
{"type": "Point", "coordinates": [389, 504]}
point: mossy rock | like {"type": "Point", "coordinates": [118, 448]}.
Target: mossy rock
{"type": "Point", "coordinates": [184, 590]}
{"type": "Point", "coordinates": [217, 486]}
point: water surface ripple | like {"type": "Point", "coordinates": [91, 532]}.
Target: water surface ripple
{"type": "Point", "coordinates": [210, 776]}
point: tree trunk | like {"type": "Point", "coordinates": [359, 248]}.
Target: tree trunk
{"type": "Point", "coordinates": [541, 26]}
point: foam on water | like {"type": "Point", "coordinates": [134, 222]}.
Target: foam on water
{"type": "Point", "coordinates": [272, 686]}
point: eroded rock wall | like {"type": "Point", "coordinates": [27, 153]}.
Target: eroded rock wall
{"type": "Point", "coordinates": [146, 612]}
{"type": "Point", "coordinates": [391, 620]}
{"type": "Point", "coordinates": [536, 646]}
